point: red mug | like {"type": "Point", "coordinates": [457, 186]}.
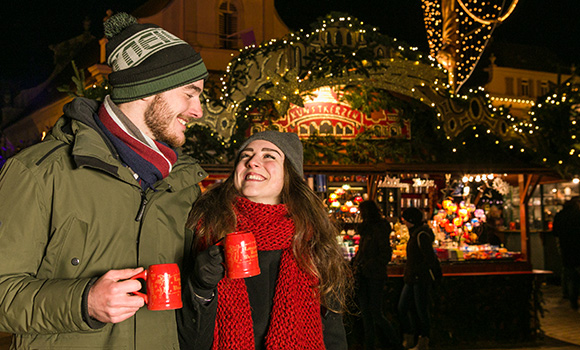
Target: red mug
{"type": "Point", "coordinates": [163, 287]}
{"type": "Point", "coordinates": [241, 253]}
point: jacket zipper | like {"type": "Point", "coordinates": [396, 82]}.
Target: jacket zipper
{"type": "Point", "coordinates": [139, 219]}
{"type": "Point", "coordinates": [141, 211]}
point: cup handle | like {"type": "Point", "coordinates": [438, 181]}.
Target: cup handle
{"type": "Point", "coordinates": [220, 241]}
{"type": "Point", "coordinates": [142, 275]}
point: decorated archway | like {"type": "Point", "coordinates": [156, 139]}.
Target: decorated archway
{"type": "Point", "coordinates": [384, 91]}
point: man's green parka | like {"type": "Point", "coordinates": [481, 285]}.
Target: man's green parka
{"type": "Point", "coordinates": [69, 212]}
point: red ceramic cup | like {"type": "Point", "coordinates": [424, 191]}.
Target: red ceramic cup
{"type": "Point", "coordinates": [163, 287]}
{"type": "Point", "coordinates": [241, 254]}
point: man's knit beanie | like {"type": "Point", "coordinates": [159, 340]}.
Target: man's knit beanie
{"type": "Point", "coordinates": [287, 142]}
{"type": "Point", "coordinates": [413, 215]}
{"type": "Point", "coordinates": [147, 60]}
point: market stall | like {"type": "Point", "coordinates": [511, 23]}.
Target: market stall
{"type": "Point", "coordinates": [484, 284]}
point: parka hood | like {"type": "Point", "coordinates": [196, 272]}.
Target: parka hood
{"type": "Point", "coordinates": [78, 126]}
{"type": "Point", "coordinates": [82, 109]}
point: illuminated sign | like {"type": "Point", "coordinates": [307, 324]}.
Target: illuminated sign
{"type": "Point", "coordinates": [324, 114]}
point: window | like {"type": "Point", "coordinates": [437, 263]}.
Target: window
{"type": "Point", "coordinates": [543, 88]}
{"type": "Point", "coordinates": [338, 38]}
{"type": "Point", "coordinates": [312, 129]}
{"type": "Point", "coordinates": [509, 86]}
{"type": "Point", "coordinates": [228, 21]}
{"type": "Point", "coordinates": [326, 128]}
{"type": "Point", "coordinates": [524, 87]}
{"type": "Point", "coordinates": [298, 57]}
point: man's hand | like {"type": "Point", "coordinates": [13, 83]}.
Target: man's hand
{"type": "Point", "coordinates": [109, 298]}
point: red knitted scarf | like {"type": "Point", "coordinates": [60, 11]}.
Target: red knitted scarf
{"type": "Point", "coordinates": [295, 321]}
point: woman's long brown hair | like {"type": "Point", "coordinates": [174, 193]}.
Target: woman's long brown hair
{"type": "Point", "coordinates": [314, 246]}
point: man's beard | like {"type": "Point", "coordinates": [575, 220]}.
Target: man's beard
{"type": "Point", "coordinates": [158, 117]}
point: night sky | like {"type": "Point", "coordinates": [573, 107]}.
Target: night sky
{"type": "Point", "coordinates": [551, 24]}
{"type": "Point", "coordinates": [28, 27]}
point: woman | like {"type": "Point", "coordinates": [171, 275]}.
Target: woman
{"type": "Point", "coordinates": [370, 265]}
{"type": "Point", "coordinates": [295, 302]}
{"type": "Point", "coordinates": [421, 269]}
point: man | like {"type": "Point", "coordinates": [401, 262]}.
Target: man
{"type": "Point", "coordinates": [567, 228]}
{"type": "Point", "coordinates": [104, 195]}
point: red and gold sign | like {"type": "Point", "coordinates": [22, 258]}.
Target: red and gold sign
{"type": "Point", "coordinates": [324, 113]}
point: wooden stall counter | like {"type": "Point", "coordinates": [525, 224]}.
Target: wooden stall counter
{"type": "Point", "coordinates": [472, 267]}
{"type": "Point", "coordinates": [495, 301]}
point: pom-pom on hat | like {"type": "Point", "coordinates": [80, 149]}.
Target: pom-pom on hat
{"type": "Point", "coordinates": [287, 142]}
{"type": "Point", "coordinates": [147, 60]}
{"type": "Point", "coordinates": [413, 216]}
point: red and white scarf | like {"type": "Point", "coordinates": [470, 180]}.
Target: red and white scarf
{"type": "Point", "coordinates": [295, 321]}
{"type": "Point", "coordinates": [149, 159]}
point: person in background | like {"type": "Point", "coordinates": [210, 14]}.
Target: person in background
{"type": "Point", "coordinates": [489, 234]}
{"type": "Point", "coordinates": [370, 266]}
{"type": "Point", "coordinates": [105, 194]}
{"type": "Point", "coordinates": [418, 278]}
{"type": "Point", "coordinates": [566, 228]}
{"type": "Point", "coordinates": [297, 300]}
{"type": "Point", "coordinates": [495, 217]}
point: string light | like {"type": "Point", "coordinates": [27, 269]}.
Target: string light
{"type": "Point", "coordinates": [458, 35]}
{"type": "Point", "coordinates": [519, 129]}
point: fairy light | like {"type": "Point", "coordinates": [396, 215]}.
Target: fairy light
{"type": "Point", "coordinates": [513, 100]}
{"type": "Point", "coordinates": [464, 35]}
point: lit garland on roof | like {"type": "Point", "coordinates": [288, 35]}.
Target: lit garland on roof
{"type": "Point", "coordinates": [499, 136]}
{"type": "Point", "coordinates": [458, 32]}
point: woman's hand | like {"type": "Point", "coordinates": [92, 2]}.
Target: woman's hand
{"type": "Point", "coordinates": [208, 270]}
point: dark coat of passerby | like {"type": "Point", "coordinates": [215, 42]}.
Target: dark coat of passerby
{"type": "Point", "coordinates": [421, 270]}
{"type": "Point", "coordinates": [370, 266]}
{"type": "Point", "coordinates": [566, 227]}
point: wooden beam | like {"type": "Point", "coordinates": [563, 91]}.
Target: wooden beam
{"type": "Point", "coordinates": [527, 185]}
{"type": "Point", "coordinates": [531, 187]}
{"type": "Point", "coordinates": [524, 181]}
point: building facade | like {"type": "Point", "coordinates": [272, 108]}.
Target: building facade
{"type": "Point", "coordinates": [218, 29]}
{"type": "Point", "coordinates": [518, 87]}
